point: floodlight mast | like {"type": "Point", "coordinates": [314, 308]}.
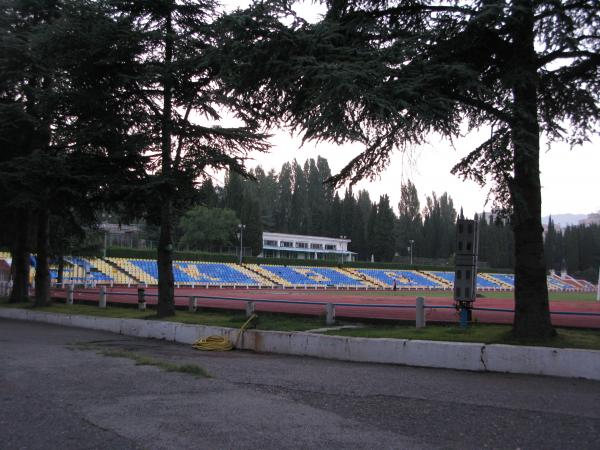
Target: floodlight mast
{"type": "Point", "coordinates": [241, 227]}
{"type": "Point", "coordinates": [598, 286]}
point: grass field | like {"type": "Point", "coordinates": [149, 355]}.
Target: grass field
{"type": "Point", "coordinates": [489, 334]}
{"type": "Point", "coordinates": [231, 319]}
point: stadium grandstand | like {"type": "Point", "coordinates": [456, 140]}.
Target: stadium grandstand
{"type": "Point", "coordinates": [134, 271]}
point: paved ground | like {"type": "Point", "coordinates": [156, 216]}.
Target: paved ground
{"type": "Point", "coordinates": [57, 392]}
{"type": "Point", "coordinates": [295, 301]}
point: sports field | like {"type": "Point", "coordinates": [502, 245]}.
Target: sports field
{"type": "Point", "coordinates": [568, 309]}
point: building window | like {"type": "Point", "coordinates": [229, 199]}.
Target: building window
{"type": "Point", "coordinates": [329, 247]}
{"type": "Point", "coordinates": [286, 244]}
{"type": "Point", "coordinates": [270, 243]}
{"type": "Point", "coordinates": [316, 246]}
{"type": "Point", "coordinates": [301, 245]}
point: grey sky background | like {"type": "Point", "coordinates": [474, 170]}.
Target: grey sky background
{"type": "Point", "coordinates": [570, 177]}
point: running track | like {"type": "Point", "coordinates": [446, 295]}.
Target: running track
{"type": "Point", "coordinates": [401, 306]}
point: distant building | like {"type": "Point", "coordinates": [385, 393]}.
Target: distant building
{"type": "Point", "coordinates": [591, 219]}
{"type": "Point", "coordinates": [296, 246]}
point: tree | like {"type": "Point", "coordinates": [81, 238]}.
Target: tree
{"type": "Point", "coordinates": [66, 104]}
{"type": "Point", "coordinates": [251, 218]}
{"type": "Point", "coordinates": [208, 228]}
{"type": "Point", "coordinates": [389, 73]}
{"type": "Point", "coordinates": [382, 243]}
{"type": "Point", "coordinates": [284, 198]}
{"type": "Point", "coordinates": [409, 217]}
{"type": "Point", "coordinates": [234, 192]}
{"type": "Point", "coordinates": [298, 211]}
{"type": "Point", "coordinates": [180, 93]}
{"type": "Point", "coordinates": [267, 197]}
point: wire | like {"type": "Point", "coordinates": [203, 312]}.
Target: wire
{"type": "Point", "coordinates": [221, 343]}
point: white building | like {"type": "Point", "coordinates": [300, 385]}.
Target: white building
{"type": "Point", "coordinates": [296, 246]}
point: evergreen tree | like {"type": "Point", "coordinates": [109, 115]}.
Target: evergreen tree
{"type": "Point", "coordinates": [348, 205]}
{"type": "Point", "coordinates": [298, 213]}
{"type": "Point", "coordinates": [409, 217]}
{"type": "Point", "coordinates": [370, 238]}
{"type": "Point", "coordinates": [251, 218]}
{"type": "Point", "coordinates": [267, 197]}
{"type": "Point", "coordinates": [284, 199]}
{"type": "Point", "coordinates": [234, 192]}
{"type": "Point", "coordinates": [207, 195]}
{"type": "Point", "coordinates": [68, 110]}
{"type": "Point", "coordinates": [387, 74]}
{"type": "Point", "coordinates": [179, 82]}
{"type": "Point", "coordinates": [550, 246]}
{"type": "Point", "coordinates": [383, 244]}
{"type": "Point", "coordinates": [335, 227]}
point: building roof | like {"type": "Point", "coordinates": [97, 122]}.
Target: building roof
{"type": "Point", "coordinates": [268, 234]}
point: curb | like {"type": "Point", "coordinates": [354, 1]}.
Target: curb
{"type": "Point", "coordinates": [570, 363]}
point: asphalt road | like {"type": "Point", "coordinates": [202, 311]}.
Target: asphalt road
{"type": "Point", "coordinates": [58, 391]}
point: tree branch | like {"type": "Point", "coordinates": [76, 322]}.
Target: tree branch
{"type": "Point", "coordinates": [542, 61]}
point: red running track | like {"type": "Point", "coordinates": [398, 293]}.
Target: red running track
{"type": "Point", "coordinates": [367, 306]}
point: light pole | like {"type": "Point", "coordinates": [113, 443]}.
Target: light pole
{"type": "Point", "coordinates": [411, 241]}
{"type": "Point", "coordinates": [598, 286]}
{"type": "Point", "coordinates": [241, 227]}
{"type": "Point", "coordinates": [343, 237]}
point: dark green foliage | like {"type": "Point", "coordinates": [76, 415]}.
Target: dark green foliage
{"type": "Point", "coordinates": [251, 218]}
{"type": "Point", "coordinates": [65, 113]}
{"type": "Point", "coordinates": [382, 240]}
{"type": "Point", "coordinates": [387, 74]}
{"type": "Point", "coordinates": [208, 229]}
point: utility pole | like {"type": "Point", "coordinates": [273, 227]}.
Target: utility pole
{"type": "Point", "coordinates": [411, 241]}
{"type": "Point", "coordinates": [105, 244]}
{"type": "Point", "coordinates": [598, 287]}
{"type": "Point", "coordinates": [241, 227]}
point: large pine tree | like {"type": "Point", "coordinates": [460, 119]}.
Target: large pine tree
{"type": "Point", "coordinates": [389, 73]}
{"type": "Point", "coordinates": [179, 91]}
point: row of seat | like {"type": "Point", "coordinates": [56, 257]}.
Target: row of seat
{"type": "Point", "coordinates": [314, 276]}
{"type": "Point", "coordinates": [132, 271]}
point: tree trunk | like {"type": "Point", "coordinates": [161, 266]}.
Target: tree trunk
{"type": "Point", "coordinates": [20, 259]}
{"type": "Point", "coordinates": [61, 270]}
{"type": "Point", "coordinates": [42, 271]}
{"type": "Point", "coordinates": [166, 282]}
{"type": "Point", "coordinates": [532, 313]}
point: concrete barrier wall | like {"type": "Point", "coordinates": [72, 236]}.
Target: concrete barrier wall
{"type": "Point", "coordinates": [571, 363]}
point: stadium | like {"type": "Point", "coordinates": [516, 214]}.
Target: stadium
{"type": "Point", "coordinates": [355, 290]}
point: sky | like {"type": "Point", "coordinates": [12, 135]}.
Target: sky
{"type": "Point", "coordinates": [570, 177]}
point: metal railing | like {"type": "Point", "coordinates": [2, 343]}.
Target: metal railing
{"type": "Point", "coordinates": [328, 308]}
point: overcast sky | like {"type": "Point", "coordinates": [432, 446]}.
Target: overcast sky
{"type": "Point", "coordinates": [570, 178]}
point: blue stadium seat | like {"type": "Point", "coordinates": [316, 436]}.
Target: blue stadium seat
{"type": "Point", "coordinates": [199, 273]}
{"type": "Point", "coordinates": [312, 276]}
{"type": "Point", "coordinates": [403, 278]}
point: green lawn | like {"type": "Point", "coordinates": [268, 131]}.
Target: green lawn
{"type": "Point", "coordinates": [487, 334]}
{"type": "Point", "coordinates": [567, 338]}
{"type": "Point", "coordinates": [232, 319]}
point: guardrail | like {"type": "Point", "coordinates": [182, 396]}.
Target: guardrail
{"type": "Point", "coordinates": [327, 308]}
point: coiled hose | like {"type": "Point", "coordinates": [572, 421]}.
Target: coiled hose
{"type": "Point", "coordinates": [221, 343]}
